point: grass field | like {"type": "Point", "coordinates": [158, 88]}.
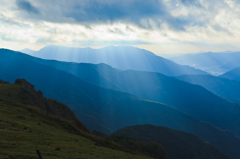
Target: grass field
{"type": "Point", "coordinates": [53, 137]}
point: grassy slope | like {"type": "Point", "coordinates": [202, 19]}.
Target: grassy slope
{"type": "Point", "coordinates": [15, 142]}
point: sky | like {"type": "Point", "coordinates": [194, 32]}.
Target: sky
{"type": "Point", "coordinates": [161, 26]}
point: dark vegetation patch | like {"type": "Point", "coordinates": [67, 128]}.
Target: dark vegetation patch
{"type": "Point", "coordinates": [178, 144]}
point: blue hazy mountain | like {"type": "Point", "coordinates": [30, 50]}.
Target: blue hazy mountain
{"type": "Point", "coordinates": [27, 51]}
{"type": "Point", "coordinates": [191, 99]}
{"type": "Point", "coordinates": [228, 89]}
{"type": "Point", "coordinates": [96, 106]}
{"type": "Point", "coordinates": [109, 110]}
{"type": "Point", "coordinates": [214, 63]}
{"type": "Point", "coordinates": [120, 57]}
{"type": "Point", "coordinates": [231, 65]}
{"type": "Point", "coordinates": [233, 74]}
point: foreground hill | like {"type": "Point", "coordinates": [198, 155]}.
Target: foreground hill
{"type": "Point", "coordinates": [30, 122]}
{"type": "Point", "coordinates": [228, 89]}
{"type": "Point", "coordinates": [214, 63]}
{"type": "Point", "coordinates": [233, 74]}
{"type": "Point", "coordinates": [109, 110]}
{"type": "Point", "coordinates": [191, 99]}
{"type": "Point", "coordinates": [178, 144]}
{"type": "Point", "coordinates": [121, 57]}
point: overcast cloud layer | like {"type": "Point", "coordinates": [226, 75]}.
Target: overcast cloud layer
{"type": "Point", "coordinates": [169, 25]}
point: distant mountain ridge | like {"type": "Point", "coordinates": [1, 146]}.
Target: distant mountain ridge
{"type": "Point", "coordinates": [28, 51]}
{"type": "Point", "coordinates": [233, 74]}
{"type": "Point", "coordinates": [226, 88]}
{"type": "Point", "coordinates": [214, 63]}
{"type": "Point", "coordinates": [120, 57]}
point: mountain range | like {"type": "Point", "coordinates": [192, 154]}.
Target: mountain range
{"type": "Point", "coordinates": [213, 63]}
{"type": "Point", "coordinates": [120, 57]}
{"type": "Point", "coordinates": [109, 110]}
{"type": "Point", "coordinates": [193, 100]}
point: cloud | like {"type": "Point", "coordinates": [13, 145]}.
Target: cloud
{"type": "Point", "coordinates": [27, 6]}
{"type": "Point", "coordinates": [102, 22]}
{"type": "Point", "coordinates": [103, 11]}
{"type": "Point", "coordinates": [43, 40]}
{"type": "Point", "coordinates": [93, 12]}
{"type": "Point", "coordinates": [104, 43]}
{"type": "Point", "coordinates": [191, 3]}
{"type": "Point", "coordinates": [150, 15]}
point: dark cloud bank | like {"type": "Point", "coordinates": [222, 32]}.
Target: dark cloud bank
{"type": "Point", "coordinates": [27, 6]}
{"type": "Point", "coordinates": [92, 12]}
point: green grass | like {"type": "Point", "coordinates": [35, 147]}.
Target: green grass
{"type": "Point", "coordinates": [11, 92]}
{"type": "Point", "coordinates": [15, 142]}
